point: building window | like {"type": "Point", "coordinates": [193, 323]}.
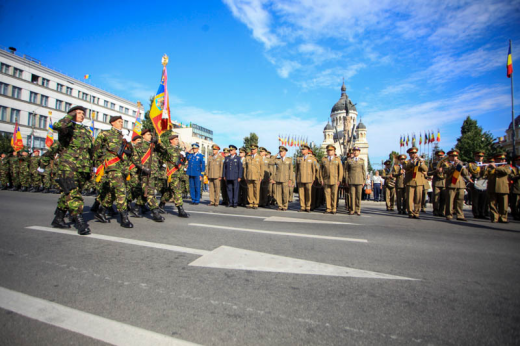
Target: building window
{"type": "Point", "coordinates": [125, 124]}
{"type": "Point", "coordinates": [44, 101]}
{"type": "Point", "coordinates": [134, 113]}
{"type": "Point", "coordinates": [4, 67]}
{"type": "Point", "coordinates": [33, 97]}
{"type": "Point", "coordinates": [42, 123]}
{"type": "Point", "coordinates": [16, 92]}
{"type": "Point", "coordinates": [59, 104]}
{"type": "Point", "coordinates": [59, 87]}
{"type": "Point", "coordinates": [105, 103]}
{"type": "Point", "coordinates": [112, 105]}
{"type": "Point", "coordinates": [15, 114]}
{"type": "Point", "coordinates": [31, 119]}
{"type": "Point", "coordinates": [17, 72]}
{"type": "Point", "coordinates": [68, 91]}
{"type": "Point", "coordinates": [105, 118]}
{"type": "Point", "coordinates": [4, 88]}
{"type": "Point", "coordinates": [121, 109]}
{"type": "Point", "coordinates": [35, 78]}
{"type": "Point", "coordinates": [3, 113]}
{"type": "Point", "coordinates": [45, 82]}
{"type": "Point", "coordinates": [39, 142]}
{"type": "Point", "coordinates": [127, 111]}
{"type": "Point", "coordinates": [85, 96]}
{"type": "Point", "coordinates": [67, 106]}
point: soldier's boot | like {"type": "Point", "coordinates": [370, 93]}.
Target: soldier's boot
{"type": "Point", "coordinates": [161, 207]}
{"type": "Point", "coordinates": [145, 209]}
{"type": "Point", "coordinates": [101, 215]}
{"type": "Point", "coordinates": [46, 190]}
{"type": "Point", "coordinates": [112, 211]}
{"type": "Point", "coordinates": [95, 206]}
{"type": "Point", "coordinates": [34, 189]}
{"type": "Point", "coordinates": [134, 210]}
{"type": "Point", "coordinates": [23, 189]}
{"type": "Point", "coordinates": [81, 225]}
{"type": "Point", "coordinates": [4, 187]}
{"type": "Point", "coordinates": [125, 222]}
{"type": "Point", "coordinates": [59, 221]}
{"type": "Point", "coordinates": [181, 211]}
{"type": "Point", "coordinates": [156, 216]}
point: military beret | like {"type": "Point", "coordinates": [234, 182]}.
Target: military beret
{"type": "Point", "coordinates": [136, 137]}
{"type": "Point", "coordinates": [262, 149]}
{"type": "Point", "coordinates": [402, 157]}
{"type": "Point", "coordinates": [215, 147]}
{"type": "Point", "coordinates": [243, 150]}
{"type": "Point", "coordinates": [412, 150]}
{"type": "Point", "coordinates": [75, 108]}
{"type": "Point", "coordinates": [231, 146]}
{"type": "Point", "coordinates": [195, 146]}
{"type": "Point", "coordinates": [387, 162]}
{"type": "Point", "coordinates": [145, 131]}
{"type": "Point", "coordinates": [356, 148]}
{"type": "Point", "coordinates": [305, 146]}
{"type": "Point", "coordinates": [479, 153]}
{"type": "Point", "coordinates": [282, 148]}
{"type": "Point", "coordinates": [453, 153]}
{"type": "Point", "coordinates": [173, 136]}
{"type": "Point", "coordinates": [439, 152]}
{"type": "Point", "coordinates": [500, 156]}
{"type": "Point", "coordinates": [331, 147]}
{"type": "Point", "coordinates": [254, 146]}
{"type": "Point", "coordinates": [114, 118]}
{"type": "Point", "coordinates": [226, 150]}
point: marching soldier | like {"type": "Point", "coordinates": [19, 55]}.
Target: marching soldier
{"type": "Point", "coordinates": [498, 188]}
{"type": "Point", "coordinates": [515, 189]}
{"type": "Point", "coordinates": [36, 177]}
{"type": "Point", "coordinates": [282, 169]}
{"type": "Point", "coordinates": [254, 173]}
{"type": "Point", "coordinates": [355, 174]}
{"type": "Point", "coordinates": [331, 174]}
{"type": "Point", "coordinates": [232, 174]}
{"type": "Point", "coordinates": [414, 183]}
{"type": "Point", "coordinates": [112, 155]}
{"type": "Point", "coordinates": [388, 175]}
{"type": "Point", "coordinates": [4, 171]}
{"type": "Point", "coordinates": [478, 192]}
{"type": "Point", "coordinates": [25, 173]}
{"type": "Point", "coordinates": [401, 189]}
{"type": "Point", "coordinates": [196, 168]}
{"type": "Point", "coordinates": [146, 158]}
{"type": "Point", "coordinates": [215, 170]}
{"type": "Point", "coordinates": [455, 186]}
{"type": "Point", "coordinates": [174, 165]}
{"type": "Point", "coordinates": [74, 167]}
{"type": "Point", "coordinates": [438, 183]}
{"type": "Point", "coordinates": [306, 171]}
{"type": "Point", "coordinates": [266, 180]}
{"type": "Point", "coordinates": [15, 171]}
{"type": "Point", "coordinates": [134, 186]}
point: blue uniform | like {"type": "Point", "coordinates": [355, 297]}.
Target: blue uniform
{"type": "Point", "coordinates": [196, 168]}
{"type": "Point", "coordinates": [232, 171]}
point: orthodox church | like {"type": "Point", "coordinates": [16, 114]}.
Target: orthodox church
{"type": "Point", "coordinates": [342, 128]}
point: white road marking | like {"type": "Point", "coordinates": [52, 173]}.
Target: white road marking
{"type": "Point", "coordinates": [226, 257]}
{"type": "Point", "coordinates": [80, 322]}
{"type": "Point", "coordinates": [278, 233]}
{"type": "Point", "coordinates": [224, 214]}
{"type": "Point", "coordinates": [290, 219]}
{"type": "Point", "coordinates": [125, 241]}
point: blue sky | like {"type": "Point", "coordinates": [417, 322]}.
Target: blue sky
{"type": "Point", "coordinates": [276, 67]}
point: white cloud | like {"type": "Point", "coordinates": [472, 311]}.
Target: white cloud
{"type": "Point", "coordinates": [397, 88]}
{"type": "Point", "coordinates": [331, 77]}
{"type": "Point", "coordinates": [132, 89]}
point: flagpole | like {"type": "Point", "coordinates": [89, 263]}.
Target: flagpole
{"type": "Point", "coordinates": [513, 104]}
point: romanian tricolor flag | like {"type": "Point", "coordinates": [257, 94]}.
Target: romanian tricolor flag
{"type": "Point", "coordinates": [420, 138]}
{"type": "Point", "coordinates": [87, 76]}
{"type": "Point", "coordinates": [50, 135]}
{"type": "Point", "coordinates": [400, 141]}
{"type": "Point", "coordinates": [438, 136]}
{"type": "Point", "coordinates": [91, 129]}
{"type": "Point", "coordinates": [407, 139]}
{"type": "Point", "coordinates": [432, 139]}
{"type": "Point", "coordinates": [137, 125]}
{"type": "Point", "coordinates": [160, 111]}
{"type": "Point", "coordinates": [509, 62]}
{"type": "Point", "coordinates": [17, 141]}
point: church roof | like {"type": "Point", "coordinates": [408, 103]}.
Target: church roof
{"type": "Point", "coordinates": [361, 126]}
{"type": "Point", "coordinates": [340, 105]}
{"type": "Point", "coordinates": [328, 127]}
{"type": "Point", "coordinates": [517, 123]}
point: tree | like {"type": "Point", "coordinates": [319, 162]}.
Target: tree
{"type": "Point", "coordinates": [5, 144]}
{"type": "Point", "coordinates": [392, 154]}
{"type": "Point", "coordinates": [249, 140]}
{"type": "Point", "coordinates": [369, 166]}
{"type": "Point", "coordinates": [472, 139]}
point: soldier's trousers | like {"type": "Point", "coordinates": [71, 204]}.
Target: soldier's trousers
{"type": "Point", "coordinates": [390, 198]}
{"type": "Point", "coordinates": [73, 201]}
{"type": "Point", "coordinates": [25, 178]}
{"type": "Point", "coordinates": [305, 194]}
{"type": "Point", "coordinates": [4, 178]}
{"type": "Point", "coordinates": [116, 185]}
{"type": "Point", "coordinates": [264, 193]}
{"type": "Point", "coordinates": [498, 206]}
{"type": "Point", "coordinates": [439, 200]}
{"type": "Point", "coordinates": [148, 185]}
{"type": "Point", "coordinates": [401, 200]}
{"type": "Point", "coordinates": [253, 192]}
{"type": "Point", "coordinates": [455, 203]}
{"type": "Point", "coordinates": [282, 195]}
{"type": "Point", "coordinates": [232, 191]}
{"type": "Point", "coordinates": [478, 202]}
{"type": "Point", "coordinates": [414, 199]}
{"type": "Point", "coordinates": [195, 191]}
{"type": "Point", "coordinates": [223, 191]}
{"type": "Point", "coordinates": [173, 192]}
{"type": "Point", "coordinates": [424, 198]}
{"type": "Point", "coordinates": [331, 192]}
{"type": "Point", "coordinates": [355, 198]}
{"type": "Point", "coordinates": [36, 179]}
{"type": "Point", "coordinates": [214, 191]}
{"type": "Point", "coordinates": [242, 193]}
{"type": "Point", "coordinates": [515, 205]}
{"type": "Point", "coordinates": [15, 178]}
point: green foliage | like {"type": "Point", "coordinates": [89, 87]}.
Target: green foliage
{"type": "Point", "coordinates": [249, 140]}
{"type": "Point", "coordinates": [5, 144]}
{"type": "Point", "coordinates": [472, 139]}
{"type": "Point", "coordinates": [369, 165]}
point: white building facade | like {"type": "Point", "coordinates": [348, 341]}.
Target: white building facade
{"type": "Point", "coordinates": [33, 94]}
{"type": "Point", "coordinates": [195, 134]}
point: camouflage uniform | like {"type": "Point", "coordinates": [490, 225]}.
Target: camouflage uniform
{"type": "Point", "coordinates": [48, 162]}
{"type": "Point", "coordinates": [134, 189]}
{"type": "Point", "coordinates": [36, 178]}
{"type": "Point", "coordinates": [5, 167]}
{"type": "Point", "coordinates": [185, 182]}
{"type": "Point", "coordinates": [15, 171]}
{"type": "Point", "coordinates": [173, 190]}
{"type": "Point", "coordinates": [25, 173]}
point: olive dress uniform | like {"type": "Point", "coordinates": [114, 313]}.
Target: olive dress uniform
{"type": "Point", "coordinates": [214, 172]}
{"type": "Point", "coordinates": [414, 186]}
{"type": "Point", "coordinates": [478, 196]}
{"type": "Point", "coordinates": [515, 192]}
{"type": "Point", "coordinates": [355, 174]}
{"type": "Point", "coordinates": [401, 189]}
{"type": "Point", "coordinates": [265, 184]}
{"type": "Point", "coordinates": [254, 173]}
{"type": "Point", "coordinates": [455, 187]}
{"type": "Point", "coordinates": [282, 174]}
{"type": "Point", "coordinates": [306, 171]}
{"type": "Point", "coordinates": [331, 172]}
{"type": "Point", "coordinates": [498, 192]}
{"type": "Point", "coordinates": [390, 180]}
{"type": "Point", "coordinates": [438, 187]}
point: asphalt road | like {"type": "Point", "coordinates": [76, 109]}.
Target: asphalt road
{"type": "Point", "coordinates": [230, 277]}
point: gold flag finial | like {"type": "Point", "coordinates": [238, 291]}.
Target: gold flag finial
{"type": "Point", "coordinates": [165, 60]}
{"type": "Point", "coordinates": [139, 104]}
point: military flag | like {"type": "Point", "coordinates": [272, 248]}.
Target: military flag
{"type": "Point", "coordinates": [407, 139]}
{"type": "Point", "coordinates": [17, 140]}
{"type": "Point", "coordinates": [420, 138]}
{"type": "Point", "coordinates": [137, 125]}
{"type": "Point", "coordinates": [87, 76]}
{"type": "Point", "coordinates": [91, 128]}
{"type": "Point", "coordinates": [50, 134]}
{"type": "Point", "coordinates": [160, 111]}
{"type": "Point", "coordinates": [413, 140]}
{"type": "Point", "coordinates": [509, 62]}
{"type": "Point", "coordinates": [438, 135]}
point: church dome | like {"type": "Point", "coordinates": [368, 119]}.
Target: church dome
{"type": "Point", "coordinates": [340, 105]}
{"type": "Point", "coordinates": [328, 127]}
{"type": "Point", "coordinates": [361, 126]}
